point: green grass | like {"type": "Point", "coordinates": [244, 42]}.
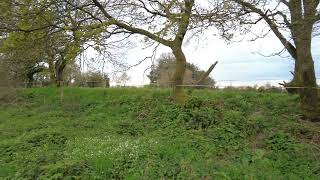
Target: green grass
{"type": "Point", "coordinates": [141, 134]}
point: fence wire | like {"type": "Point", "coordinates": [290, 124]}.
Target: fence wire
{"type": "Point", "coordinates": [93, 84]}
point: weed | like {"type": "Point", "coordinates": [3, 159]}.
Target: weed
{"type": "Point", "coordinates": [140, 134]}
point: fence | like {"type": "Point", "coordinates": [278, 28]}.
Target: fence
{"type": "Point", "coordinates": [91, 84]}
{"type": "Point", "coordinates": [223, 84]}
{"type": "Point", "coordinates": [239, 84]}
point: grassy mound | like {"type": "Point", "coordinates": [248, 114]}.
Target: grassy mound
{"type": "Point", "coordinates": [140, 134]}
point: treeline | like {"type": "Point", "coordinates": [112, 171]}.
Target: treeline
{"type": "Point", "coordinates": [41, 39]}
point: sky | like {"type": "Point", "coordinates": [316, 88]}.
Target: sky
{"type": "Point", "coordinates": [240, 63]}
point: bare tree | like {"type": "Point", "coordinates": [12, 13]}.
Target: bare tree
{"type": "Point", "coordinates": [292, 21]}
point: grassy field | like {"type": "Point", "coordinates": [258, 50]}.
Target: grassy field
{"type": "Point", "coordinates": [140, 134]}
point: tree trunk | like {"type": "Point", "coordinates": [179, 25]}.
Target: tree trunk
{"type": "Point", "coordinates": [291, 86]}
{"type": "Point", "coordinates": [178, 93]}
{"type": "Point", "coordinates": [52, 73]}
{"type": "Point", "coordinates": [51, 67]}
{"type": "Point", "coordinates": [306, 76]}
{"type": "Point", "coordinates": [59, 78]}
{"type": "Point", "coordinates": [30, 80]}
{"type": "Point", "coordinates": [59, 75]}
{"type": "Point", "coordinates": [295, 81]}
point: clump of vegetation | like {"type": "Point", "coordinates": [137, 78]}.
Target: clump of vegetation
{"type": "Point", "coordinates": [162, 72]}
{"type": "Point", "coordinates": [135, 133]}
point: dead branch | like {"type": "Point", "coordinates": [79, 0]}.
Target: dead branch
{"type": "Point", "coordinates": [206, 74]}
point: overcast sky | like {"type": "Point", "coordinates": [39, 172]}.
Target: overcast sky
{"type": "Point", "coordinates": [240, 63]}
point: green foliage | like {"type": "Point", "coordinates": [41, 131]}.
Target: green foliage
{"type": "Point", "coordinates": [140, 134]}
{"type": "Point", "coordinates": [281, 142]}
{"type": "Point", "coordinates": [32, 47]}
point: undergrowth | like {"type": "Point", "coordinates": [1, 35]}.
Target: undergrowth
{"type": "Point", "coordinates": [141, 134]}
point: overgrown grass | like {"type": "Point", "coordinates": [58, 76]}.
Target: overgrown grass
{"type": "Point", "coordinates": [140, 134]}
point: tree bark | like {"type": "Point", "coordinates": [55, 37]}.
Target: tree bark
{"type": "Point", "coordinates": [59, 77]}
{"type": "Point", "coordinates": [291, 86]}
{"type": "Point", "coordinates": [295, 81]}
{"type": "Point", "coordinates": [59, 73]}
{"type": "Point", "coordinates": [306, 77]}
{"type": "Point", "coordinates": [178, 92]}
{"type": "Point", "coordinates": [302, 26]}
{"type": "Point", "coordinates": [51, 68]}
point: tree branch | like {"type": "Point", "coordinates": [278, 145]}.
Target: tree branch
{"type": "Point", "coordinates": [130, 28]}
{"type": "Point", "coordinates": [285, 19]}
{"type": "Point", "coordinates": [317, 17]}
{"type": "Point", "coordinates": [289, 46]}
{"type": "Point", "coordinates": [206, 74]}
{"type": "Point", "coordinates": [285, 2]}
{"type": "Point", "coordinates": [185, 21]}
{"type": "Point", "coordinates": [150, 11]}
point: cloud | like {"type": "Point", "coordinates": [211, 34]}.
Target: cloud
{"type": "Point", "coordinates": [237, 61]}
